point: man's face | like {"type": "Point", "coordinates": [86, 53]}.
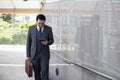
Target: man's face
{"type": "Point", "coordinates": [40, 23]}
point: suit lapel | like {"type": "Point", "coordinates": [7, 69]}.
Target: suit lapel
{"type": "Point", "coordinates": [35, 32]}
{"type": "Point", "coordinates": [44, 31]}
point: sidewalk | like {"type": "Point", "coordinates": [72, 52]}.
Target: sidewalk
{"type": "Point", "coordinates": [12, 66]}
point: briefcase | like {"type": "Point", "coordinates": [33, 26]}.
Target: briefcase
{"type": "Point", "coordinates": [28, 67]}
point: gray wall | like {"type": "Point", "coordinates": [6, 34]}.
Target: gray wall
{"type": "Point", "coordinates": [87, 32]}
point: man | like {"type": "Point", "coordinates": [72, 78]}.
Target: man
{"type": "Point", "coordinates": [39, 38]}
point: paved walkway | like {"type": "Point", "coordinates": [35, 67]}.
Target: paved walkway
{"type": "Point", "coordinates": [12, 66]}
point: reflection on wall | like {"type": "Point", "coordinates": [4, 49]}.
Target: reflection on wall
{"type": "Point", "coordinates": [87, 32]}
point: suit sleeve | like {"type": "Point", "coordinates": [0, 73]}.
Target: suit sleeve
{"type": "Point", "coordinates": [51, 39]}
{"type": "Point", "coordinates": [28, 45]}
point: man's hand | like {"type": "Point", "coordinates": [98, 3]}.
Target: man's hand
{"type": "Point", "coordinates": [29, 58]}
{"type": "Point", "coordinates": [44, 42]}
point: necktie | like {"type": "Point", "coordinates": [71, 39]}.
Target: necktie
{"type": "Point", "coordinates": [40, 30]}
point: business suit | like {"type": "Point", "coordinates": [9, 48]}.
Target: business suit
{"type": "Point", "coordinates": [39, 53]}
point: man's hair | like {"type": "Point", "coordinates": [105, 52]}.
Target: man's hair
{"type": "Point", "coordinates": [40, 17]}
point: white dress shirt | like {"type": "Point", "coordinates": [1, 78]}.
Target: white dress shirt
{"type": "Point", "coordinates": [38, 28]}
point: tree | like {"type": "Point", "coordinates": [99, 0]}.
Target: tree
{"type": "Point", "coordinates": [7, 17]}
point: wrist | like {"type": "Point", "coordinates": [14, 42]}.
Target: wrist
{"type": "Point", "coordinates": [28, 57]}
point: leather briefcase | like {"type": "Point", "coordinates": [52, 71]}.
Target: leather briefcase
{"type": "Point", "coordinates": [28, 67]}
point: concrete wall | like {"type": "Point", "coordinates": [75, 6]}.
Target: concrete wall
{"type": "Point", "coordinates": [87, 32]}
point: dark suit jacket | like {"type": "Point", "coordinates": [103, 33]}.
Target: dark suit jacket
{"type": "Point", "coordinates": [31, 45]}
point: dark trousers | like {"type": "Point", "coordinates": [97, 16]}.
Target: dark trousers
{"type": "Point", "coordinates": [41, 67]}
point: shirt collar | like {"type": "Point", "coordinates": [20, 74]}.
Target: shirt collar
{"type": "Point", "coordinates": [39, 28]}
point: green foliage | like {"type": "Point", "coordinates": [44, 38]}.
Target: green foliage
{"type": "Point", "coordinates": [5, 38]}
{"type": "Point", "coordinates": [24, 24]}
{"type": "Point", "coordinates": [4, 24]}
{"type": "Point", "coordinates": [19, 39]}
{"type": "Point", "coordinates": [15, 34]}
{"type": "Point", "coordinates": [6, 17]}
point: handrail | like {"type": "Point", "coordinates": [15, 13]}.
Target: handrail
{"type": "Point", "coordinates": [85, 67]}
